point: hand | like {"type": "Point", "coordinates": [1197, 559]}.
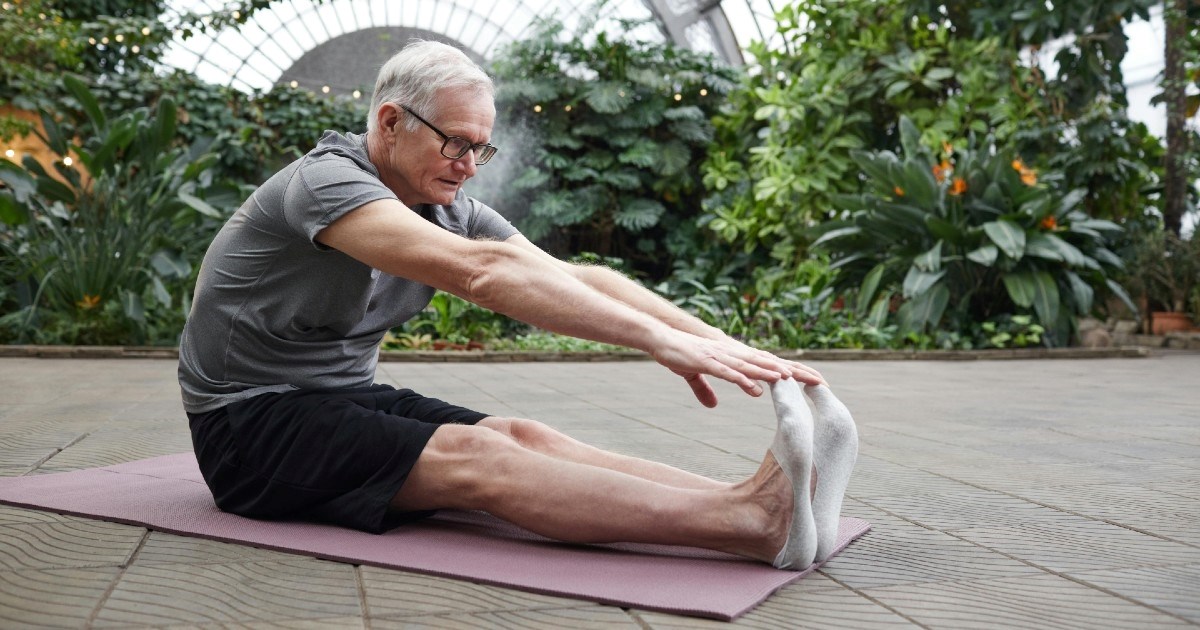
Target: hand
{"type": "Point", "coordinates": [797, 370]}
{"type": "Point", "coordinates": [692, 357]}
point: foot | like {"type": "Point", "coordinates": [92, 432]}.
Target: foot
{"type": "Point", "coordinates": [835, 442]}
{"type": "Point", "coordinates": [793, 450]}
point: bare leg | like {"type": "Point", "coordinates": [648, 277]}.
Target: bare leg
{"type": "Point", "coordinates": [541, 438]}
{"type": "Point", "coordinates": [476, 468]}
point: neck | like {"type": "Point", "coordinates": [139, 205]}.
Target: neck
{"type": "Point", "coordinates": [379, 154]}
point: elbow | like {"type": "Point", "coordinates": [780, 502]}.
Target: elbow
{"type": "Point", "coordinates": [490, 276]}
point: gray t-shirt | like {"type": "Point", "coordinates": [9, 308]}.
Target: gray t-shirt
{"type": "Point", "coordinates": [274, 310]}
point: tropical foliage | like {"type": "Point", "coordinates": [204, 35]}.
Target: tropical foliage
{"type": "Point", "coordinates": [107, 237]}
{"type": "Point", "coordinates": [610, 132]}
{"type": "Point", "coordinates": [969, 234]}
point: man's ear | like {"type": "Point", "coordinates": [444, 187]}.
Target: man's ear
{"type": "Point", "coordinates": [388, 118]}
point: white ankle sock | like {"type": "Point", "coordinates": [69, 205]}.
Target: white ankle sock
{"type": "Point", "coordinates": [835, 447]}
{"type": "Point", "coordinates": [793, 449]}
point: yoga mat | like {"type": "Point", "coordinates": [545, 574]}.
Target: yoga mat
{"type": "Point", "coordinates": [168, 494]}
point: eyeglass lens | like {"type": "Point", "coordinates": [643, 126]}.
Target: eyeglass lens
{"type": "Point", "coordinates": [456, 147]}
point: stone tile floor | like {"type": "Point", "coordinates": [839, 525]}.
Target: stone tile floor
{"type": "Point", "coordinates": [1042, 494]}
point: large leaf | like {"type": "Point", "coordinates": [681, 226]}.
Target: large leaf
{"type": "Point", "coordinates": [1045, 297]}
{"type": "Point", "coordinates": [836, 234]}
{"type": "Point", "coordinates": [199, 205]}
{"type": "Point", "coordinates": [879, 312]}
{"type": "Point", "coordinates": [1082, 292]}
{"type": "Point", "coordinates": [170, 265]}
{"type": "Point", "coordinates": [1020, 288]}
{"type": "Point", "coordinates": [917, 282]}
{"type": "Point", "coordinates": [639, 214]}
{"type": "Point", "coordinates": [866, 291]}
{"type": "Point", "coordinates": [910, 138]}
{"type": "Point", "coordinates": [985, 255]}
{"type": "Point", "coordinates": [608, 97]}
{"type": "Point", "coordinates": [930, 260]}
{"type": "Point", "coordinates": [926, 310]}
{"type": "Point", "coordinates": [11, 211]}
{"type": "Point", "coordinates": [1008, 236]}
{"type": "Point", "coordinates": [1119, 291]}
{"type": "Point", "coordinates": [131, 304]}
{"type": "Point", "coordinates": [1051, 247]}
{"type": "Point", "coordinates": [1036, 289]}
{"type": "Point", "coordinates": [18, 181]}
{"type": "Point", "coordinates": [674, 157]}
{"type": "Point", "coordinates": [90, 105]}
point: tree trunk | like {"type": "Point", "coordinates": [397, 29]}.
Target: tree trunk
{"type": "Point", "coordinates": [1175, 96]}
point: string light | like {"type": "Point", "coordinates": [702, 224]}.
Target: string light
{"type": "Point", "coordinates": [237, 15]}
{"type": "Point", "coordinates": [294, 84]}
{"type": "Point", "coordinates": [135, 50]}
{"type": "Point", "coordinates": [119, 38]}
{"type": "Point", "coordinates": [104, 40]}
{"type": "Point", "coordinates": [537, 109]}
{"type": "Point", "coordinates": [10, 153]}
{"type": "Point", "coordinates": [621, 93]}
{"type": "Point", "coordinates": [703, 91]}
{"type": "Point", "coordinates": [92, 41]}
{"type": "Point", "coordinates": [357, 94]}
{"type": "Point", "coordinates": [324, 89]}
{"type": "Point", "coordinates": [6, 6]}
{"type": "Point", "coordinates": [145, 30]}
{"type": "Point", "coordinates": [67, 161]}
{"type": "Point", "coordinates": [678, 96]}
{"type": "Point", "coordinates": [567, 108]}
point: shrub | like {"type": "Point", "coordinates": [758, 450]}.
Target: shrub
{"type": "Point", "coordinates": [971, 235]}
{"type": "Point", "coordinates": [96, 249]}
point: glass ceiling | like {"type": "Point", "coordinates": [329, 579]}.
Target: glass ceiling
{"type": "Point", "coordinates": [336, 46]}
{"type": "Point", "coordinates": [261, 52]}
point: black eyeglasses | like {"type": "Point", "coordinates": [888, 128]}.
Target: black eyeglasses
{"type": "Point", "coordinates": [454, 147]}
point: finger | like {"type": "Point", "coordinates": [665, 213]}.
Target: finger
{"type": "Point", "coordinates": [807, 375]}
{"type": "Point", "coordinates": [744, 374]}
{"type": "Point", "coordinates": [703, 391]}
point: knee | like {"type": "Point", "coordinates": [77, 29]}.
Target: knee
{"type": "Point", "coordinates": [533, 435]}
{"type": "Point", "coordinates": [468, 460]}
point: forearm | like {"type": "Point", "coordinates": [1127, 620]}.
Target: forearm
{"type": "Point", "coordinates": [624, 290]}
{"type": "Point", "coordinates": [520, 285]}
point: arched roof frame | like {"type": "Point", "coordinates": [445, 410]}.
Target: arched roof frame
{"type": "Point", "coordinates": [260, 52]}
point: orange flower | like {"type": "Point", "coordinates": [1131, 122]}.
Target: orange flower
{"type": "Point", "coordinates": [958, 186]}
{"type": "Point", "coordinates": [940, 171]}
{"type": "Point", "coordinates": [88, 302]}
{"type": "Point", "coordinates": [1028, 175]}
{"type": "Point", "coordinates": [947, 148]}
{"type": "Point", "coordinates": [899, 191]}
{"type": "Point", "coordinates": [1049, 223]}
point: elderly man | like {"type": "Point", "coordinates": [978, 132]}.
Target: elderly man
{"type": "Point", "coordinates": [278, 357]}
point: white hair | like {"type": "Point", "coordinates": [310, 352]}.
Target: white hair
{"type": "Point", "coordinates": [414, 76]}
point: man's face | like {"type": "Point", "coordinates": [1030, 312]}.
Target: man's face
{"type": "Point", "coordinates": [416, 170]}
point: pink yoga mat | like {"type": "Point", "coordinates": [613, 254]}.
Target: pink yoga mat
{"type": "Point", "coordinates": [167, 494]}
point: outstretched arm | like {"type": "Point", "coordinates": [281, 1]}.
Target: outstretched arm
{"type": "Point", "coordinates": [536, 289]}
{"type": "Point", "coordinates": [639, 298]}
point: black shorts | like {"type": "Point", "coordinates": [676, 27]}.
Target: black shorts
{"type": "Point", "coordinates": [335, 456]}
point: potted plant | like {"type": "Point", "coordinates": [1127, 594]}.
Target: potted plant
{"type": "Point", "coordinates": [1166, 271]}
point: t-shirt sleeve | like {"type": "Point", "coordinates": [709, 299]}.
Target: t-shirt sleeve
{"type": "Point", "coordinates": [324, 189]}
{"type": "Point", "coordinates": [487, 223]}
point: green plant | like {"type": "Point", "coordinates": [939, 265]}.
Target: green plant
{"type": "Point", "coordinates": [92, 247]}
{"type": "Point", "coordinates": [975, 232]}
{"type": "Point", "coordinates": [455, 320]}
{"type": "Point", "coordinates": [1016, 331]}
{"type": "Point", "coordinates": [1165, 269]}
{"type": "Point", "coordinates": [607, 132]}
